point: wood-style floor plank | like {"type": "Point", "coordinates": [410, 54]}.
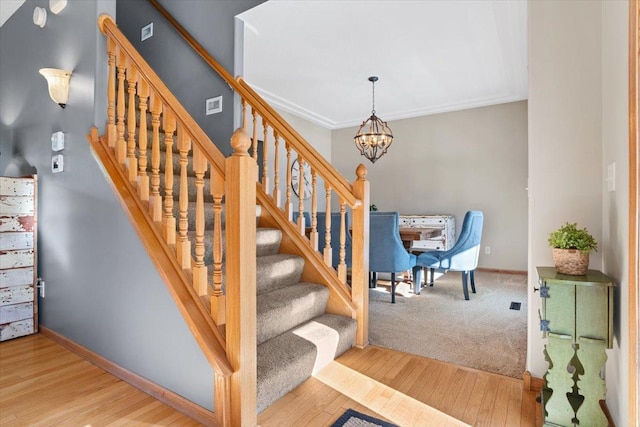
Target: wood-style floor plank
{"type": "Point", "coordinates": [55, 387]}
{"type": "Point", "coordinates": [43, 384]}
{"type": "Point", "coordinates": [406, 390]}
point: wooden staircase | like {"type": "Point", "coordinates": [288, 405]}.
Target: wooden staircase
{"type": "Point", "coordinates": [196, 214]}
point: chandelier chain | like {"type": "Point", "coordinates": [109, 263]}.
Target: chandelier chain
{"type": "Point", "coordinates": [373, 97]}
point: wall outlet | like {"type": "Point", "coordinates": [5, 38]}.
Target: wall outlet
{"type": "Point", "coordinates": [146, 32]}
{"type": "Point", "coordinates": [487, 250]}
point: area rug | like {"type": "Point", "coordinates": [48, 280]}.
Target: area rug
{"type": "Point", "coordinates": [353, 418]}
{"type": "Point", "coordinates": [482, 333]}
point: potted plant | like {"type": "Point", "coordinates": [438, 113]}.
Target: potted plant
{"type": "Point", "coordinates": [571, 248]}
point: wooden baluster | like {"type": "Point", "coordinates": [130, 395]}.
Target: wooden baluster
{"type": "Point", "coordinates": [168, 220]}
{"type": "Point", "coordinates": [360, 257]}
{"type": "Point", "coordinates": [288, 207]}
{"type": "Point", "coordinates": [277, 195]}
{"type": "Point", "coordinates": [121, 148]}
{"type": "Point", "coordinates": [313, 236]}
{"type": "Point", "coordinates": [183, 245]}
{"type": "Point", "coordinates": [218, 300]}
{"type": "Point", "coordinates": [328, 256]}
{"type": "Point", "coordinates": [265, 156]}
{"type": "Point", "coordinates": [254, 140]}
{"type": "Point", "coordinates": [199, 269]}
{"type": "Point", "coordinates": [132, 161]}
{"type": "Point", "coordinates": [156, 200]}
{"type": "Point", "coordinates": [111, 93]}
{"type": "Point", "coordinates": [301, 222]}
{"type": "Point", "coordinates": [342, 264]}
{"type": "Point", "coordinates": [143, 178]}
{"type": "Point", "coordinates": [244, 114]}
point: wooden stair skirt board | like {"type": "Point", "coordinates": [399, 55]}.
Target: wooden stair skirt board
{"type": "Point", "coordinates": [160, 393]}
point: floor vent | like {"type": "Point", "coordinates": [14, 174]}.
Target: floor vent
{"type": "Point", "coordinates": [515, 306]}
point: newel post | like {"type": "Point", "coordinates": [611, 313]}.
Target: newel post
{"type": "Point", "coordinates": [360, 254]}
{"type": "Point", "coordinates": [240, 276]}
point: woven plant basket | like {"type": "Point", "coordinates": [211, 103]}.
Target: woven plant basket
{"type": "Point", "coordinates": [570, 261]}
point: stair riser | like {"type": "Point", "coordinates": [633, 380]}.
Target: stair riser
{"type": "Point", "coordinates": [267, 243]}
{"type": "Point", "coordinates": [278, 271]}
{"type": "Point", "coordinates": [286, 361]}
{"type": "Point", "coordinates": [281, 310]}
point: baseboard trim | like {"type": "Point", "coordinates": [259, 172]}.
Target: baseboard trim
{"type": "Point", "coordinates": [498, 270]}
{"type": "Point", "coordinates": [531, 383]}
{"type": "Point", "coordinates": [165, 396]}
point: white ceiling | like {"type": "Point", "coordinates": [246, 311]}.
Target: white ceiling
{"type": "Point", "coordinates": [8, 8]}
{"type": "Point", "coordinates": [313, 57]}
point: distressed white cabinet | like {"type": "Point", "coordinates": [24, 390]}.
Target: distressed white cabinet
{"type": "Point", "coordinates": [18, 249]}
{"type": "Point", "coordinates": [443, 225]}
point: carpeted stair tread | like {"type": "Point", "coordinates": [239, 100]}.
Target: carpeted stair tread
{"type": "Point", "coordinates": [278, 271]}
{"type": "Point", "coordinates": [282, 309]}
{"type": "Point", "coordinates": [267, 241]}
{"type": "Point", "coordinates": [286, 361]}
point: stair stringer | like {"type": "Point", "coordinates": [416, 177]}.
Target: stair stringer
{"type": "Point", "coordinates": [177, 280]}
{"type": "Point", "coordinates": [315, 269]}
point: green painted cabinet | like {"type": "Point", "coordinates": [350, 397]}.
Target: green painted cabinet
{"type": "Point", "coordinates": [577, 321]}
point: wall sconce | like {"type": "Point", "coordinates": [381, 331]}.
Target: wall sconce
{"type": "Point", "coordinates": [58, 82]}
{"type": "Point", "coordinates": [56, 6]}
{"type": "Point", "coordinates": [40, 16]}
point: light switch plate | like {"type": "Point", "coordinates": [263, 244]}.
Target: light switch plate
{"type": "Point", "coordinates": [57, 141]}
{"type": "Point", "coordinates": [57, 163]}
{"type": "Point", "coordinates": [611, 177]}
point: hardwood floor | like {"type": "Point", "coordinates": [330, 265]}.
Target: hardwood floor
{"type": "Point", "coordinates": [43, 384]}
{"type": "Point", "coordinates": [406, 390]}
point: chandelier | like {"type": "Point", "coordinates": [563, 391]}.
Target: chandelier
{"type": "Point", "coordinates": [374, 136]}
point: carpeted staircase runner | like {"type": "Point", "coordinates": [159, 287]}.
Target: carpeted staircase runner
{"type": "Point", "coordinates": [295, 337]}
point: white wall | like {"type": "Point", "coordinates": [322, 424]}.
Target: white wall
{"type": "Point", "coordinates": [450, 163]}
{"type": "Point", "coordinates": [615, 204]}
{"type": "Point", "coordinates": [577, 127]}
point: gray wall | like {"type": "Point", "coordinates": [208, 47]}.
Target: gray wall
{"type": "Point", "coordinates": [103, 292]}
{"type": "Point", "coordinates": [450, 163]}
{"type": "Point", "coordinates": [189, 78]}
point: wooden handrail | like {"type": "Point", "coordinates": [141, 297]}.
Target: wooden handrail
{"type": "Point", "coordinates": [339, 184]}
{"type": "Point", "coordinates": [198, 136]}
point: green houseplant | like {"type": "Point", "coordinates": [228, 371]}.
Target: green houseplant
{"type": "Point", "coordinates": [571, 248]}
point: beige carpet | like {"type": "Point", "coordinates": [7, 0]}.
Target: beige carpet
{"type": "Point", "coordinates": [482, 333]}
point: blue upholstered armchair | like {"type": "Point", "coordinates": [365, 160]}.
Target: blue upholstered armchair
{"type": "Point", "coordinates": [335, 236]}
{"type": "Point", "coordinates": [386, 252]}
{"type": "Point", "coordinates": [463, 256]}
